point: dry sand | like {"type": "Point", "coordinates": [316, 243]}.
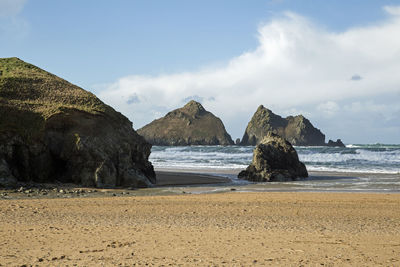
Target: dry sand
{"type": "Point", "coordinates": [230, 229]}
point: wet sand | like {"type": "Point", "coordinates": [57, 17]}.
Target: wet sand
{"type": "Point", "coordinates": [168, 182]}
{"type": "Point", "coordinates": [173, 181]}
{"type": "Point", "coordinates": [176, 177]}
{"type": "Point", "coordinates": [230, 229]}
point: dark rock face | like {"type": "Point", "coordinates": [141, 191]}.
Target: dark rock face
{"type": "Point", "coordinates": [274, 159]}
{"type": "Point", "coordinates": [297, 130]}
{"type": "Point", "coordinates": [6, 177]}
{"type": "Point", "coordinates": [68, 135]}
{"type": "Point", "coordinates": [237, 142]}
{"type": "Point", "coordinates": [190, 125]}
{"type": "Point", "coordinates": [338, 143]}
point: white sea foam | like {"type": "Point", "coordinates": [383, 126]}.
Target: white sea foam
{"type": "Point", "coordinates": [373, 158]}
{"type": "Point", "coordinates": [351, 170]}
{"type": "Point", "coordinates": [380, 165]}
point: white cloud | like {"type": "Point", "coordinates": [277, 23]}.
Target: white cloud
{"type": "Point", "coordinates": [370, 107]}
{"type": "Point", "coordinates": [296, 64]}
{"type": "Point", "coordinates": [393, 10]}
{"type": "Point", "coordinates": [11, 25]}
{"type": "Point", "coordinates": [10, 8]}
{"type": "Point", "coordinates": [328, 109]}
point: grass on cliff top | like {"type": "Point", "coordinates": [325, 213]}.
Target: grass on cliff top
{"type": "Point", "coordinates": [23, 84]}
{"type": "Point", "coordinates": [27, 89]}
{"type": "Point", "coordinates": [14, 67]}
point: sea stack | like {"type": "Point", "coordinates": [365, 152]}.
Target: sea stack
{"type": "Point", "coordinates": [297, 130]}
{"type": "Point", "coordinates": [189, 125]}
{"type": "Point", "coordinates": [52, 130]}
{"type": "Point", "coordinates": [274, 159]}
{"type": "Point", "coordinates": [337, 143]}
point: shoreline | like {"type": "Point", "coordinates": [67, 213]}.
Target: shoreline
{"type": "Point", "coordinates": [318, 181]}
{"type": "Point", "coordinates": [235, 171]}
{"type": "Point", "coordinates": [208, 181]}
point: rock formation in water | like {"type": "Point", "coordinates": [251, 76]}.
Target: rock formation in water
{"type": "Point", "coordinates": [52, 130]}
{"type": "Point", "coordinates": [297, 130]}
{"type": "Point", "coordinates": [337, 143]}
{"type": "Point", "coordinates": [274, 159]}
{"type": "Point", "coordinates": [190, 125]}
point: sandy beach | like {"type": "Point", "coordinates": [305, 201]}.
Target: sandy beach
{"type": "Point", "coordinates": [199, 133]}
{"type": "Point", "coordinates": [228, 229]}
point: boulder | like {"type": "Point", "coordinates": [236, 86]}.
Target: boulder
{"type": "Point", "coordinates": [298, 130]}
{"type": "Point", "coordinates": [338, 143]}
{"type": "Point", "coordinates": [237, 142]}
{"type": "Point", "coordinates": [274, 159]}
{"type": "Point", "coordinates": [52, 130]}
{"type": "Point", "coordinates": [189, 125]}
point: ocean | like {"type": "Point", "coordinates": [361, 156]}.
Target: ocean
{"type": "Point", "coordinates": [356, 167]}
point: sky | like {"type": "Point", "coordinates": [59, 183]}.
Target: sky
{"type": "Point", "coordinates": [336, 62]}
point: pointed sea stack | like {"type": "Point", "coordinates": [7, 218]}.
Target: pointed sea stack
{"type": "Point", "coordinates": [52, 130]}
{"type": "Point", "coordinates": [297, 130]}
{"type": "Point", "coordinates": [189, 125]}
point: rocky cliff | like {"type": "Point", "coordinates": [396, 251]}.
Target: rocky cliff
{"type": "Point", "coordinates": [52, 130]}
{"type": "Point", "coordinates": [297, 130]}
{"type": "Point", "coordinates": [189, 125]}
